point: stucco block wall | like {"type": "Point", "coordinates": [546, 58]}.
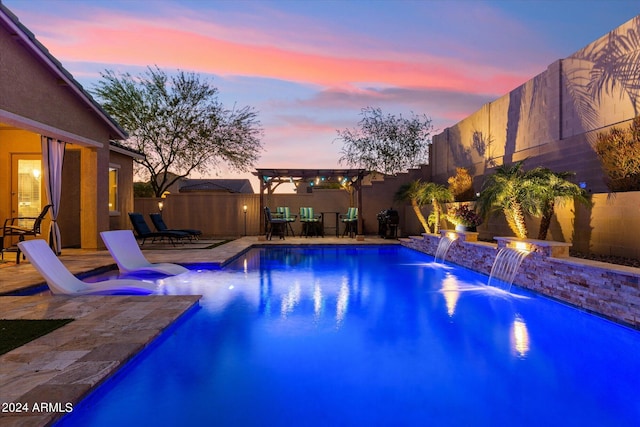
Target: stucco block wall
{"type": "Point", "coordinates": [552, 119]}
{"type": "Point", "coordinates": [30, 90]}
{"type": "Point", "coordinates": [120, 220]}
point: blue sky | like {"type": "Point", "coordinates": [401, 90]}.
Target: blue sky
{"type": "Point", "coordinates": [309, 67]}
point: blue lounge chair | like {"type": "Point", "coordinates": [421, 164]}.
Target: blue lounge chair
{"type": "Point", "coordinates": [161, 227]}
{"type": "Point", "coordinates": [144, 232]}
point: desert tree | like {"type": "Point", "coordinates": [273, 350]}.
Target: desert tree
{"type": "Point", "coordinates": [386, 143]}
{"type": "Point", "coordinates": [179, 124]}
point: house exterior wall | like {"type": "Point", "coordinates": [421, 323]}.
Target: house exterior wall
{"type": "Point", "coordinates": [35, 99]}
{"type": "Point", "coordinates": [40, 95]}
{"type": "Point", "coordinates": [119, 220]}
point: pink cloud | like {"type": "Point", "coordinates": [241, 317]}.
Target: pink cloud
{"type": "Point", "coordinates": [120, 39]}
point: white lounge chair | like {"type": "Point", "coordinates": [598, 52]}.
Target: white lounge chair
{"type": "Point", "coordinates": [124, 249]}
{"type": "Point", "coordinates": [62, 282]}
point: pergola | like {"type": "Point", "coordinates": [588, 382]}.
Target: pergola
{"type": "Point", "coordinates": [270, 179]}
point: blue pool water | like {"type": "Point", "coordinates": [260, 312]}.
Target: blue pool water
{"type": "Point", "coordinates": [371, 336]}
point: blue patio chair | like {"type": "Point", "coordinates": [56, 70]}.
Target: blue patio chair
{"type": "Point", "coordinates": [311, 222]}
{"type": "Point", "coordinates": [274, 224]}
{"type": "Point", "coordinates": [285, 213]}
{"type": "Point", "coordinates": [350, 221]}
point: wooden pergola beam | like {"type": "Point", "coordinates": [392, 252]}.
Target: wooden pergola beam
{"type": "Point", "coordinates": [268, 177]}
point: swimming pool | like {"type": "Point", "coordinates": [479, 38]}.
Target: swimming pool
{"type": "Point", "coordinates": [371, 336]}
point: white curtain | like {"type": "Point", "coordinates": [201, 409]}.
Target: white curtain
{"type": "Point", "coordinates": [52, 159]}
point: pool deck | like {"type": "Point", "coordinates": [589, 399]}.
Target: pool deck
{"type": "Point", "coordinates": [63, 366]}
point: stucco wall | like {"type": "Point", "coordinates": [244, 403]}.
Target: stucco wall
{"type": "Point", "coordinates": [30, 90]}
{"type": "Point", "coordinates": [552, 119]}
{"type": "Point", "coordinates": [119, 219]}
{"type": "Point", "coordinates": [36, 99]}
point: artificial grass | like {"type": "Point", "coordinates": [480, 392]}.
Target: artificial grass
{"type": "Point", "coordinates": [14, 333]}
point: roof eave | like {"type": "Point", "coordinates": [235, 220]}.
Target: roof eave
{"type": "Point", "coordinates": [29, 40]}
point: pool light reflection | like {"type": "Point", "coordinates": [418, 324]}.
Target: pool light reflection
{"type": "Point", "coordinates": [451, 292]}
{"type": "Point", "coordinates": [520, 336]}
{"type": "Point", "coordinates": [343, 302]}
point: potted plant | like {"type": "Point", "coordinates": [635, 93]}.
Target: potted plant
{"type": "Point", "coordinates": [464, 218]}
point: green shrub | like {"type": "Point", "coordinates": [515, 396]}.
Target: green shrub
{"type": "Point", "coordinates": [619, 154]}
{"type": "Point", "coordinates": [461, 185]}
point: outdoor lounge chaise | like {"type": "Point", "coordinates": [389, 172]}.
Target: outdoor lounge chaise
{"type": "Point", "coordinates": [161, 227]}
{"type": "Point", "coordinates": [62, 282]}
{"type": "Point", "coordinates": [124, 249]}
{"type": "Point", "coordinates": [144, 232]}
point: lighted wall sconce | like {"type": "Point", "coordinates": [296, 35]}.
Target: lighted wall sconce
{"type": "Point", "coordinates": [160, 205]}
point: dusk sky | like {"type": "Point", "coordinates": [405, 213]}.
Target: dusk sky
{"type": "Point", "coordinates": [309, 67]}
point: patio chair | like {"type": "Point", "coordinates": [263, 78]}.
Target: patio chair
{"type": "Point", "coordinates": [159, 224]}
{"type": "Point", "coordinates": [350, 221]}
{"type": "Point", "coordinates": [12, 227]}
{"type": "Point", "coordinates": [274, 224]}
{"type": "Point", "coordinates": [144, 232]}
{"type": "Point", "coordinates": [124, 249]}
{"type": "Point", "coordinates": [311, 222]}
{"type": "Point", "coordinates": [62, 282]}
{"type": "Point", "coordinates": [285, 213]}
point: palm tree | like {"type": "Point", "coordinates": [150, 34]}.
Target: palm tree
{"type": "Point", "coordinates": [422, 193]}
{"type": "Point", "coordinates": [413, 192]}
{"type": "Point", "coordinates": [437, 194]}
{"type": "Point", "coordinates": [508, 190]}
{"type": "Point", "coordinates": [552, 189]}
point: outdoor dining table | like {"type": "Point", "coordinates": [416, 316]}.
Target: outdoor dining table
{"type": "Point", "coordinates": [335, 223]}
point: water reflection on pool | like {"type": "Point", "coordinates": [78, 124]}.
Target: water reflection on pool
{"type": "Point", "coordinates": [371, 336]}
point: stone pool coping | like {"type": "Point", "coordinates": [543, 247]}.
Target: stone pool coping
{"type": "Point", "coordinates": [607, 290]}
{"type": "Point", "coordinates": [65, 365]}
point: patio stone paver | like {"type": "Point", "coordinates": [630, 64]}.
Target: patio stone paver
{"type": "Point", "coordinates": [61, 367]}
{"type": "Point", "coordinates": [65, 365]}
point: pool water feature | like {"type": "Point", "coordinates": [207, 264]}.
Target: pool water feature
{"type": "Point", "coordinates": [371, 336]}
{"type": "Point", "coordinates": [505, 267]}
{"type": "Point", "coordinates": [443, 247]}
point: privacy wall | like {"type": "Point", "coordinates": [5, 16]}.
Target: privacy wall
{"type": "Point", "coordinates": [552, 119]}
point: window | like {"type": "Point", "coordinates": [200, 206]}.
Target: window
{"type": "Point", "coordinates": [113, 189]}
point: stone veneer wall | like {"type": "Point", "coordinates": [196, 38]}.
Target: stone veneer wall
{"type": "Point", "coordinates": [604, 289]}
